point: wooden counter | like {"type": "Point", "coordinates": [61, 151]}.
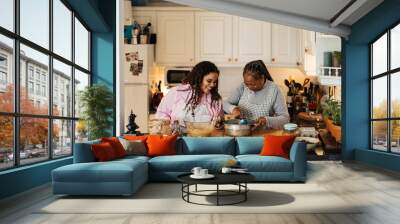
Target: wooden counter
{"type": "Point", "coordinates": [218, 133]}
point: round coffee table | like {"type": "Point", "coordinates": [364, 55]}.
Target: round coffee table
{"type": "Point", "coordinates": [238, 179]}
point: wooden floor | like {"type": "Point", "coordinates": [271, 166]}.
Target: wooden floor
{"type": "Point", "coordinates": [378, 189]}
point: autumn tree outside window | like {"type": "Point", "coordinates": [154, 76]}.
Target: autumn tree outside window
{"type": "Point", "coordinates": [385, 96]}
{"type": "Point", "coordinates": [44, 64]}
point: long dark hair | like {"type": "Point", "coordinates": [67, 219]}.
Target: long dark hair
{"type": "Point", "coordinates": [195, 79]}
{"type": "Point", "coordinates": [258, 70]}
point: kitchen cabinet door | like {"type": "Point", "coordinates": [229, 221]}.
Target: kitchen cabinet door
{"type": "Point", "coordinates": [175, 38]}
{"type": "Point", "coordinates": [251, 40]}
{"type": "Point", "coordinates": [285, 46]}
{"type": "Point", "coordinates": [307, 52]}
{"type": "Point", "coordinates": [213, 37]}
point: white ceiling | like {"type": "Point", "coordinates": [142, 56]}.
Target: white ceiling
{"type": "Point", "coordinates": [321, 9]}
{"type": "Point", "coordinates": [313, 15]}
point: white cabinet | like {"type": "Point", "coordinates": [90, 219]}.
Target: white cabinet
{"type": "Point", "coordinates": [213, 37]}
{"type": "Point", "coordinates": [175, 38]}
{"type": "Point", "coordinates": [285, 46]}
{"type": "Point", "coordinates": [186, 36]}
{"type": "Point", "coordinates": [251, 40]}
{"type": "Point", "coordinates": [231, 40]}
{"type": "Point", "coordinates": [307, 52]}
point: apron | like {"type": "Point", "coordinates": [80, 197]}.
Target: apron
{"type": "Point", "coordinates": [255, 104]}
{"type": "Point", "coordinates": [201, 114]}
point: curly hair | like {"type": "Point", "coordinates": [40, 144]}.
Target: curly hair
{"type": "Point", "coordinates": [195, 78]}
{"type": "Point", "coordinates": [258, 70]}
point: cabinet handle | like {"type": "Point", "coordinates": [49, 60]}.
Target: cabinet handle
{"type": "Point", "coordinates": [191, 59]}
{"type": "Point", "coordinates": [298, 63]}
{"type": "Point", "coordinates": [273, 59]}
{"type": "Point", "coordinates": [236, 59]}
{"type": "Point", "coordinates": [229, 59]}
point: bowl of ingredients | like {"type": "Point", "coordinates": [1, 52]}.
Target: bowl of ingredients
{"type": "Point", "coordinates": [238, 127]}
{"type": "Point", "coordinates": [199, 129]}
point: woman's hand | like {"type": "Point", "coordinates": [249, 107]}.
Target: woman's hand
{"type": "Point", "coordinates": [218, 122]}
{"type": "Point", "coordinates": [236, 112]}
{"type": "Point", "coordinates": [260, 122]}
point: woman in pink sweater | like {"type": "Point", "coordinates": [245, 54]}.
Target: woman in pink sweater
{"type": "Point", "coordinates": [196, 99]}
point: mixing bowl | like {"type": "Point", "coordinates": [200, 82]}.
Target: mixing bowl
{"type": "Point", "coordinates": [199, 129]}
{"type": "Point", "coordinates": [237, 128]}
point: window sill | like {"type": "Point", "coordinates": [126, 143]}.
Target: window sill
{"type": "Point", "coordinates": [26, 167]}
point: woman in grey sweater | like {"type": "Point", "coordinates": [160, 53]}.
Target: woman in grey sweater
{"type": "Point", "coordinates": [258, 98]}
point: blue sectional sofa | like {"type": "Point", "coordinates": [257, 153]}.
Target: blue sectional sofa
{"type": "Point", "coordinates": [125, 176]}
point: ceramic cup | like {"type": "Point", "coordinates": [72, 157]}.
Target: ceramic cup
{"type": "Point", "coordinates": [226, 170]}
{"type": "Point", "coordinates": [196, 171]}
{"type": "Point", "coordinates": [203, 172]}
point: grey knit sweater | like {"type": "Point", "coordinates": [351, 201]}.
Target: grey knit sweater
{"type": "Point", "coordinates": [267, 102]}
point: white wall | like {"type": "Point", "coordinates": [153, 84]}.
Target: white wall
{"type": "Point", "coordinates": [326, 43]}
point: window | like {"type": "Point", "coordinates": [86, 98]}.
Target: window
{"type": "Point", "coordinates": [6, 73]}
{"type": "Point", "coordinates": [43, 90]}
{"type": "Point", "coordinates": [46, 129]}
{"type": "Point", "coordinates": [3, 71]}
{"type": "Point", "coordinates": [3, 61]}
{"type": "Point", "coordinates": [3, 78]}
{"type": "Point", "coordinates": [385, 96]}
{"type": "Point", "coordinates": [30, 87]}
{"type": "Point", "coordinates": [62, 74]}
{"type": "Point", "coordinates": [7, 14]}
{"type": "Point", "coordinates": [62, 29]}
{"type": "Point", "coordinates": [30, 73]}
{"type": "Point", "coordinates": [37, 75]}
{"type": "Point", "coordinates": [38, 89]}
{"type": "Point", "coordinates": [81, 45]}
{"type": "Point", "coordinates": [34, 21]}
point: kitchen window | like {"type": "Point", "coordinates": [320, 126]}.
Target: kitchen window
{"type": "Point", "coordinates": [44, 45]}
{"type": "Point", "coordinates": [385, 97]}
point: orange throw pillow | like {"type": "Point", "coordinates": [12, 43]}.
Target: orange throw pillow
{"type": "Point", "coordinates": [277, 145]}
{"type": "Point", "coordinates": [159, 145]}
{"type": "Point", "coordinates": [103, 152]}
{"type": "Point", "coordinates": [142, 138]}
{"type": "Point", "coordinates": [116, 145]}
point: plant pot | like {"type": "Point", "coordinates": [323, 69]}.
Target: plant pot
{"type": "Point", "coordinates": [334, 130]}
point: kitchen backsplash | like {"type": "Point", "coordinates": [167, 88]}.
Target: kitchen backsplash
{"type": "Point", "coordinates": [231, 77]}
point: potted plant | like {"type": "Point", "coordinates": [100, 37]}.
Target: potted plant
{"type": "Point", "coordinates": [96, 102]}
{"type": "Point", "coordinates": [337, 59]}
{"type": "Point", "coordinates": [332, 118]}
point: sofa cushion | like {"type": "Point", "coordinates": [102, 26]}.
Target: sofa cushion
{"type": "Point", "coordinates": [135, 147]}
{"type": "Point", "coordinates": [277, 145]}
{"type": "Point", "coordinates": [103, 152]}
{"type": "Point", "coordinates": [257, 163]}
{"type": "Point", "coordinates": [209, 145]}
{"type": "Point", "coordinates": [161, 145]}
{"type": "Point", "coordinates": [116, 145]}
{"type": "Point", "coordinates": [112, 171]}
{"type": "Point", "coordinates": [249, 145]}
{"type": "Point", "coordinates": [83, 152]}
{"type": "Point", "coordinates": [185, 163]}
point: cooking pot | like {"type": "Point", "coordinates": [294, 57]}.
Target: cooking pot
{"type": "Point", "coordinates": [237, 128]}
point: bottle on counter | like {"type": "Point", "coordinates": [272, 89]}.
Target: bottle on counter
{"type": "Point", "coordinates": [289, 103]}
